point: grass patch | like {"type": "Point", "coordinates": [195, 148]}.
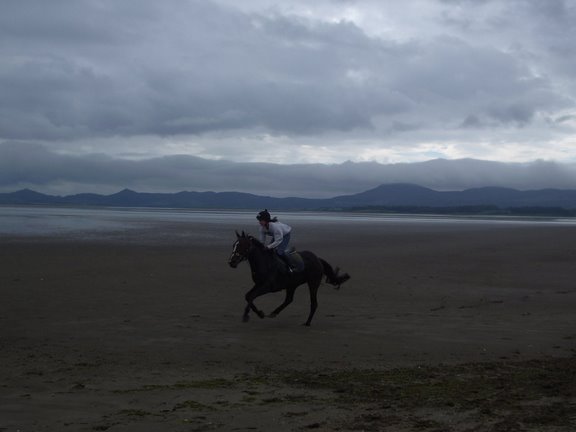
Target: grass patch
{"type": "Point", "coordinates": [219, 383]}
{"type": "Point", "coordinates": [529, 394]}
{"type": "Point", "coordinates": [504, 396]}
{"type": "Point", "coordinates": [192, 405]}
{"type": "Point", "coordinates": [447, 385]}
{"type": "Point", "coordinates": [135, 413]}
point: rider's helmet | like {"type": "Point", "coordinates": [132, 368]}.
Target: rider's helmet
{"type": "Point", "coordinates": [264, 216]}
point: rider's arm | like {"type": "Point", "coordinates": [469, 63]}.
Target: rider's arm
{"type": "Point", "coordinates": [276, 234]}
{"type": "Point", "coordinates": [262, 233]}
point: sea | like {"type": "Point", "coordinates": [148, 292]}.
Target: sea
{"type": "Point", "coordinates": [169, 224]}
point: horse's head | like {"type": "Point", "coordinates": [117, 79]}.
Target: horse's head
{"type": "Point", "coordinates": [240, 249]}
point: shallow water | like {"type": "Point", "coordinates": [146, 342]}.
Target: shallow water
{"type": "Point", "coordinates": [59, 220]}
{"type": "Point", "coordinates": [104, 223]}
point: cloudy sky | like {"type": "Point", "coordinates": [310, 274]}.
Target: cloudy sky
{"type": "Point", "coordinates": [285, 98]}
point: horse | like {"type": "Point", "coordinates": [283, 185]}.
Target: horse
{"type": "Point", "coordinates": [270, 274]}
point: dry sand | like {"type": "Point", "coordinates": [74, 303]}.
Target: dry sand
{"type": "Point", "coordinates": [443, 327]}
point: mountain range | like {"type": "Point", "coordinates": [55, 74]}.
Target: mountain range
{"type": "Point", "coordinates": [391, 196]}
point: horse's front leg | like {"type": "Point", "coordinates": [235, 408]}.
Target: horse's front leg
{"type": "Point", "coordinates": [250, 296]}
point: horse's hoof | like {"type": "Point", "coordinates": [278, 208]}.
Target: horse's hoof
{"type": "Point", "coordinates": [306, 324]}
{"type": "Point", "coordinates": [245, 318]}
{"type": "Point", "coordinates": [273, 315]}
{"type": "Point", "coordinates": [261, 315]}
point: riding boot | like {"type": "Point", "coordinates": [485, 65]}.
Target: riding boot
{"type": "Point", "coordinates": [284, 258]}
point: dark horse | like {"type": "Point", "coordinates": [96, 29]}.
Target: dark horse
{"type": "Point", "coordinates": [270, 274]}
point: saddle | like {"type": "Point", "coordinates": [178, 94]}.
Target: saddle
{"type": "Point", "coordinates": [295, 260]}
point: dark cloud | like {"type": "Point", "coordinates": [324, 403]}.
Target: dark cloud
{"type": "Point", "coordinates": [516, 114]}
{"type": "Point", "coordinates": [472, 121]}
{"type": "Point", "coordinates": [193, 68]}
{"type": "Point", "coordinates": [76, 69]}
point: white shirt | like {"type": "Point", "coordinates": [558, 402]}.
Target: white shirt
{"type": "Point", "coordinates": [275, 229]}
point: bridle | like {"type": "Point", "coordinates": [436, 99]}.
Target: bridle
{"type": "Point", "coordinates": [239, 254]}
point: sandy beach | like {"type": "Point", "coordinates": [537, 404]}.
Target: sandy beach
{"type": "Point", "coordinates": [443, 327]}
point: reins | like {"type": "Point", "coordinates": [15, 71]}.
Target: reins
{"type": "Point", "coordinates": [242, 256]}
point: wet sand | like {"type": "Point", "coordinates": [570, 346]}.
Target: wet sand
{"type": "Point", "coordinates": [142, 332]}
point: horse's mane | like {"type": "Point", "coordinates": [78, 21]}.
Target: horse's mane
{"type": "Point", "coordinates": [256, 242]}
{"type": "Point", "coordinates": [253, 239]}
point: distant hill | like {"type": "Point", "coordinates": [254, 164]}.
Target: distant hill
{"type": "Point", "coordinates": [413, 195]}
{"type": "Point", "coordinates": [383, 196]}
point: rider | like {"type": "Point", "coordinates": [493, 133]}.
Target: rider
{"type": "Point", "coordinates": [280, 233]}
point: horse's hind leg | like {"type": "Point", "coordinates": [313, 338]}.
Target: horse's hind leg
{"type": "Point", "coordinates": [313, 287]}
{"type": "Point", "coordinates": [287, 301]}
{"type": "Point", "coordinates": [246, 316]}
{"type": "Point", "coordinates": [250, 296]}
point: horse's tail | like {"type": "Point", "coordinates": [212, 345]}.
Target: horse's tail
{"type": "Point", "coordinates": [332, 275]}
